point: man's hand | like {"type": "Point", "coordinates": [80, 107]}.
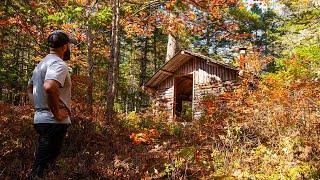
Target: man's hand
{"type": "Point", "coordinates": [63, 114]}
{"type": "Point", "coordinates": [52, 89]}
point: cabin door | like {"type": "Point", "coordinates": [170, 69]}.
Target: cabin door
{"type": "Point", "coordinates": [183, 88]}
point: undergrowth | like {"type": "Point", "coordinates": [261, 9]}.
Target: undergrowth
{"type": "Point", "coordinates": [269, 132]}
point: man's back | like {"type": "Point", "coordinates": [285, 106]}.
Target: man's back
{"type": "Point", "coordinates": [50, 68]}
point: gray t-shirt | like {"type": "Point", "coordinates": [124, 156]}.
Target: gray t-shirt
{"type": "Point", "coordinates": [51, 67]}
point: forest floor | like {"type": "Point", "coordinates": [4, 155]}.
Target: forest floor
{"type": "Point", "coordinates": [144, 147]}
{"type": "Point", "coordinates": [94, 150]}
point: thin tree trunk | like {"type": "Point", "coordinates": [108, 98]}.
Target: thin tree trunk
{"type": "Point", "coordinates": [2, 85]}
{"type": "Point", "coordinates": [155, 51]}
{"type": "Point", "coordinates": [1, 89]}
{"type": "Point", "coordinates": [207, 34]}
{"type": "Point", "coordinates": [89, 58]}
{"type": "Point", "coordinates": [143, 72]}
{"type": "Point", "coordinates": [207, 40]}
{"type": "Point", "coordinates": [126, 105]}
{"type": "Point", "coordinates": [113, 67]}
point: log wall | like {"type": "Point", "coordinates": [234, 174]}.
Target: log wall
{"type": "Point", "coordinates": [165, 96]}
{"type": "Point", "coordinates": [206, 82]}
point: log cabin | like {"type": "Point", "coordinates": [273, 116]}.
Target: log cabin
{"type": "Point", "coordinates": [185, 79]}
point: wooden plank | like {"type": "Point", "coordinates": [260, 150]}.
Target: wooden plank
{"type": "Point", "coordinates": [200, 73]}
{"type": "Point", "coordinates": [223, 74]}
{"type": "Point", "coordinates": [196, 81]}
{"type": "Point", "coordinates": [203, 71]}
{"type": "Point", "coordinates": [192, 103]}
{"type": "Point", "coordinates": [174, 96]}
{"type": "Point", "coordinates": [206, 73]}
{"type": "Point", "coordinates": [216, 70]}
{"type": "Point", "coordinates": [227, 75]}
{"type": "Point", "coordinates": [185, 68]}
{"type": "Point", "coordinates": [166, 72]}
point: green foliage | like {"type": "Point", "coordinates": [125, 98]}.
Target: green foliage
{"type": "Point", "coordinates": [174, 130]}
{"type": "Point", "coordinates": [170, 169]}
{"type": "Point", "coordinates": [102, 17]}
{"type": "Point", "coordinates": [186, 115]}
{"type": "Point", "coordinates": [58, 17]}
{"type": "Point", "coordinates": [304, 65]}
{"type": "Point", "coordinates": [300, 27]}
{"type": "Point", "coordinates": [187, 153]}
{"type": "Point", "coordinates": [248, 18]}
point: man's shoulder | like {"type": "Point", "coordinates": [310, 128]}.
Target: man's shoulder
{"type": "Point", "coordinates": [51, 59]}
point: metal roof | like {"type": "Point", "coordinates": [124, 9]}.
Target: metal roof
{"type": "Point", "coordinates": [169, 68]}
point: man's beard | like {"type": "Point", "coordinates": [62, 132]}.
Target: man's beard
{"type": "Point", "coordinates": [66, 55]}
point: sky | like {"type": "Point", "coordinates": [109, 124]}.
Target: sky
{"type": "Point", "coordinates": [273, 4]}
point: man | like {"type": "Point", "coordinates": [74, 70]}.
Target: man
{"type": "Point", "coordinates": [50, 92]}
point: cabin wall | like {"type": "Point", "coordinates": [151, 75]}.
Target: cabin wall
{"type": "Point", "coordinates": [205, 82]}
{"type": "Point", "coordinates": [164, 97]}
{"type": "Point", "coordinates": [187, 68]}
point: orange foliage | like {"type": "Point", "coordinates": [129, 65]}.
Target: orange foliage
{"type": "Point", "coordinates": [144, 137]}
{"type": "Point", "coordinates": [139, 138]}
{"type": "Point", "coordinates": [171, 20]}
{"type": "Point", "coordinates": [3, 22]}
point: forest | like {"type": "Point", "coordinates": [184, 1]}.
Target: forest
{"type": "Point", "coordinates": [265, 124]}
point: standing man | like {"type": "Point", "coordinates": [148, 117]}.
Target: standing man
{"type": "Point", "coordinates": [50, 92]}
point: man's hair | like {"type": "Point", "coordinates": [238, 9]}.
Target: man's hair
{"type": "Point", "coordinates": [57, 39]}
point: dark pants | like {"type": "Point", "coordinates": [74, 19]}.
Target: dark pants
{"type": "Point", "coordinates": [50, 141]}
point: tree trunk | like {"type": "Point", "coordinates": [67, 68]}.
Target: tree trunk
{"type": "Point", "coordinates": [89, 57]}
{"type": "Point", "coordinates": [2, 85]}
{"type": "Point", "coordinates": [207, 40]}
{"type": "Point", "coordinates": [172, 47]}
{"type": "Point", "coordinates": [1, 89]}
{"type": "Point", "coordinates": [155, 51]}
{"type": "Point", "coordinates": [207, 34]}
{"type": "Point", "coordinates": [113, 66]}
{"type": "Point", "coordinates": [143, 73]}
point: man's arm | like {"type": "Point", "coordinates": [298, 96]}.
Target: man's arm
{"type": "Point", "coordinates": [52, 89]}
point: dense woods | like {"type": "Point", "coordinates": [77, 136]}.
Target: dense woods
{"type": "Point", "coordinates": [265, 127]}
